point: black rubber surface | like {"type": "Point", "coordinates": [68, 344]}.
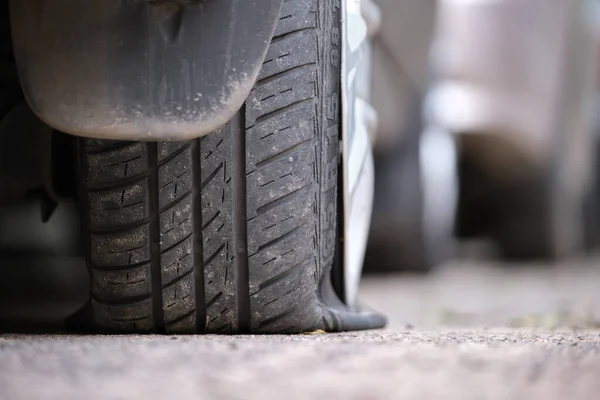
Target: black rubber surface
{"type": "Point", "coordinates": [233, 232]}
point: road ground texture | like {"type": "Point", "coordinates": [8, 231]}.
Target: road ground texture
{"type": "Point", "coordinates": [468, 331]}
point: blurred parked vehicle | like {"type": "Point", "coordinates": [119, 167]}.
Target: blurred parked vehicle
{"type": "Point", "coordinates": [511, 83]}
{"type": "Point", "coordinates": [415, 165]}
{"type": "Point", "coordinates": [515, 83]}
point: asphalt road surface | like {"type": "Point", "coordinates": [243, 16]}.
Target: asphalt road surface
{"type": "Point", "coordinates": [469, 331]}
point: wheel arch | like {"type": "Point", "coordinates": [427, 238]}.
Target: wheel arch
{"type": "Point", "coordinates": [140, 70]}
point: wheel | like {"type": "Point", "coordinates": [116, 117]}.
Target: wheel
{"type": "Point", "coordinates": [528, 210]}
{"type": "Point", "coordinates": [233, 232]}
{"type": "Point", "coordinates": [522, 222]}
{"type": "Point", "coordinates": [396, 240]}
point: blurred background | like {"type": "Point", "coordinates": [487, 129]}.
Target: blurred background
{"type": "Point", "coordinates": [487, 194]}
{"type": "Point", "coordinates": [495, 139]}
{"type": "Point", "coordinates": [486, 204]}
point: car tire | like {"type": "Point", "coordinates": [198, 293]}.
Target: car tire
{"type": "Point", "coordinates": [234, 232]}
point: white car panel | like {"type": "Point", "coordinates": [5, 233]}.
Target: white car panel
{"type": "Point", "coordinates": [358, 120]}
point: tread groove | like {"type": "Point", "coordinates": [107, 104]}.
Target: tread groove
{"type": "Point", "coordinates": [283, 36]}
{"type": "Point", "coordinates": [176, 201]}
{"type": "Point", "coordinates": [118, 268]}
{"type": "Point", "coordinates": [166, 250]}
{"type": "Point", "coordinates": [107, 301]}
{"type": "Point", "coordinates": [174, 155]}
{"type": "Point", "coordinates": [101, 230]}
{"type": "Point", "coordinates": [199, 290]}
{"type": "Point", "coordinates": [282, 154]}
{"type": "Point", "coordinates": [103, 149]}
{"type": "Point", "coordinates": [279, 277]}
{"type": "Point", "coordinates": [214, 299]}
{"type": "Point", "coordinates": [211, 220]}
{"type": "Point", "coordinates": [277, 239]}
{"type": "Point", "coordinates": [240, 227]}
{"type": "Point", "coordinates": [120, 183]}
{"type": "Point", "coordinates": [275, 202]}
{"type": "Point", "coordinates": [272, 320]}
{"type": "Point", "coordinates": [214, 255]}
{"type": "Point", "coordinates": [277, 75]}
{"type": "Point", "coordinates": [221, 328]}
{"type": "Point", "coordinates": [211, 176]}
{"type": "Point", "coordinates": [281, 110]}
{"type": "Point", "coordinates": [155, 259]}
{"type": "Point", "coordinates": [180, 318]}
{"type": "Point", "coordinates": [178, 279]}
{"type": "Point", "coordinates": [129, 319]}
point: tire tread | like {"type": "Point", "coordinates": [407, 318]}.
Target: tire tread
{"type": "Point", "coordinates": [208, 236]}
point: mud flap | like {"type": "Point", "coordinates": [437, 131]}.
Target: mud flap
{"type": "Point", "coordinates": [142, 69]}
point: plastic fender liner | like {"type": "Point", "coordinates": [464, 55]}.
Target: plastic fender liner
{"type": "Point", "coordinates": [140, 69]}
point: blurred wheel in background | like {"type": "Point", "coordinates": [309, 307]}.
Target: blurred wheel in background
{"type": "Point", "coordinates": [415, 170]}
{"type": "Point", "coordinates": [415, 201]}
